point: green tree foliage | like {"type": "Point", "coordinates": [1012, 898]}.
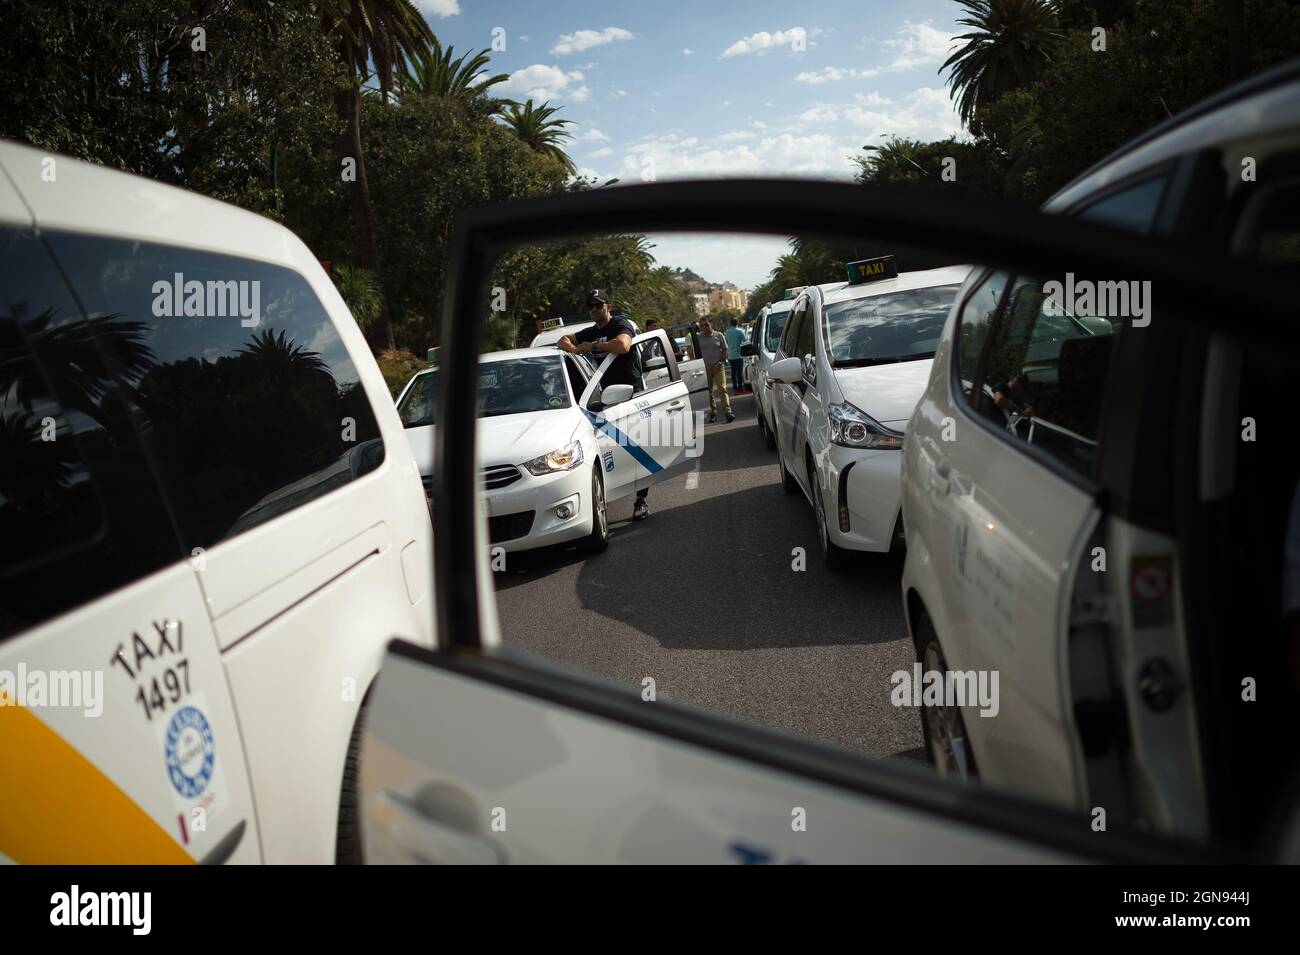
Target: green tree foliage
{"type": "Point", "coordinates": [1010, 47]}
{"type": "Point", "coordinates": [1033, 130]}
{"type": "Point", "coordinates": [536, 128]}
{"type": "Point", "coordinates": [465, 78]}
{"type": "Point", "coordinates": [132, 85]}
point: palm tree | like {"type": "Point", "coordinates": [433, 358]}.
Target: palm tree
{"type": "Point", "coordinates": [464, 78]}
{"type": "Point", "coordinates": [383, 35]}
{"type": "Point", "coordinates": [1008, 50]}
{"type": "Point", "coordinates": [535, 127]}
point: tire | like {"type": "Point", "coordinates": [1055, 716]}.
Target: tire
{"type": "Point", "coordinates": [835, 556]}
{"type": "Point", "coordinates": [788, 483]}
{"type": "Point", "coordinates": [347, 843]}
{"type": "Point", "coordinates": [947, 744]}
{"type": "Point", "coordinates": [598, 539]}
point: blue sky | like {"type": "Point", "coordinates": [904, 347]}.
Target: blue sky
{"type": "Point", "coordinates": [672, 89]}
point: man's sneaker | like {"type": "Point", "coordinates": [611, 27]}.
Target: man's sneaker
{"type": "Point", "coordinates": [640, 510]}
{"type": "Point", "coordinates": [712, 418]}
{"type": "Point", "coordinates": [730, 418]}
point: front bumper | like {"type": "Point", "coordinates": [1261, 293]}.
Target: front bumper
{"type": "Point", "coordinates": [863, 490]}
{"type": "Point", "coordinates": [521, 515]}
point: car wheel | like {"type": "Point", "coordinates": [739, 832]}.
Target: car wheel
{"type": "Point", "coordinates": [946, 741]}
{"type": "Point", "coordinates": [347, 842]}
{"type": "Point", "coordinates": [836, 557]}
{"type": "Point", "coordinates": [598, 539]}
{"type": "Point", "coordinates": [788, 483]}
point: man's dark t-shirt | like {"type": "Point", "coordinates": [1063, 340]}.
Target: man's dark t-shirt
{"type": "Point", "coordinates": [625, 369]}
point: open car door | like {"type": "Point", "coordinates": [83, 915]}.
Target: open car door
{"type": "Point", "coordinates": [651, 436]}
{"type": "Point", "coordinates": [477, 753]}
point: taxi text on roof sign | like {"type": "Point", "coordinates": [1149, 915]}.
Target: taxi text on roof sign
{"type": "Point", "coordinates": [545, 324]}
{"type": "Point", "coordinates": [872, 270]}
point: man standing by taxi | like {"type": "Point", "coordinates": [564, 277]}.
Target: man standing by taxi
{"type": "Point", "coordinates": [713, 349]}
{"type": "Point", "coordinates": [610, 336]}
{"type": "Point", "coordinates": [735, 338]}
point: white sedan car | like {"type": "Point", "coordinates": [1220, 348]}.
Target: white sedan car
{"type": "Point", "coordinates": [854, 359]}
{"type": "Point", "coordinates": [554, 448]}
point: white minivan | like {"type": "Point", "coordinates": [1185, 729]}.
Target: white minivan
{"type": "Point", "coordinates": [212, 525]}
{"type": "Point", "coordinates": [1093, 513]}
{"type": "Point", "coordinates": [853, 360]}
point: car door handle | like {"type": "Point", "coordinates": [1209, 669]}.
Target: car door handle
{"type": "Point", "coordinates": [426, 839]}
{"type": "Point", "coordinates": [675, 405]}
{"type": "Point", "coordinates": [940, 477]}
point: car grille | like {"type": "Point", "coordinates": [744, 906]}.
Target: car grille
{"type": "Point", "coordinates": [501, 475]}
{"type": "Point", "coordinates": [508, 527]}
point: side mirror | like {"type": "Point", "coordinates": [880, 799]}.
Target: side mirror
{"type": "Point", "coordinates": [748, 350]}
{"type": "Point", "coordinates": [654, 364]}
{"type": "Point", "coordinates": [616, 394]}
{"type": "Point", "coordinates": [787, 370]}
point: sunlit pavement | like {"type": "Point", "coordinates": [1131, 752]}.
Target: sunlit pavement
{"type": "Point", "coordinates": [702, 598]}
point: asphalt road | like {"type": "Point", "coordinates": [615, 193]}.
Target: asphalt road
{"type": "Point", "coordinates": [703, 598]}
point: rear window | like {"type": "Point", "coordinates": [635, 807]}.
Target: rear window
{"type": "Point", "coordinates": [416, 407]}
{"type": "Point", "coordinates": [247, 400]}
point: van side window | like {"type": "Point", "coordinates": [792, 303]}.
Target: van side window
{"type": "Point", "coordinates": [1133, 209]}
{"type": "Point", "coordinates": [973, 325]}
{"type": "Point", "coordinates": [80, 515]}
{"type": "Point", "coordinates": [1044, 375]}
{"type": "Point", "coordinates": [248, 401]}
{"type": "Point", "coordinates": [789, 346]}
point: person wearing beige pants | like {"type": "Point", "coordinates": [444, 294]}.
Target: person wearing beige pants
{"type": "Point", "coordinates": [713, 349]}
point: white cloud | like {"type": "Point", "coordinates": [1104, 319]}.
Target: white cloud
{"type": "Point", "coordinates": [439, 8]}
{"type": "Point", "coordinates": [919, 44]}
{"type": "Point", "coordinates": [914, 45]}
{"type": "Point", "coordinates": [735, 135]}
{"type": "Point", "coordinates": [601, 153]}
{"type": "Point", "coordinates": [833, 74]}
{"type": "Point", "coordinates": [593, 135]}
{"type": "Point", "coordinates": [757, 42]}
{"type": "Point", "coordinates": [620, 92]}
{"type": "Point", "coordinates": [926, 114]}
{"type": "Point", "coordinates": [524, 38]}
{"type": "Point", "coordinates": [687, 51]}
{"type": "Point", "coordinates": [540, 82]}
{"type": "Point", "coordinates": [586, 39]}
{"type": "Point", "coordinates": [819, 154]}
{"type": "Point", "coordinates": [820, 114]}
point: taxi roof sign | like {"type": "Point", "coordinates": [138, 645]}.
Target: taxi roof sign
{"type": "Point", "coordinates": [792, 292]}
{"type": "Point", "coordinates": [545, 324]}
{"type": "Point", "coordinates": [872, 270]}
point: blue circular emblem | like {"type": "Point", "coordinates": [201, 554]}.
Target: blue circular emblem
{"type": "Point", "coordinates": [190, 752]}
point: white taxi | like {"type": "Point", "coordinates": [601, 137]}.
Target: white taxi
{"type": "Point", "coordinates": [554, 447]}
{"type": "Point", "coordinates": [853, 360]}
{"type": "Point", "coordinates": [212, 527]}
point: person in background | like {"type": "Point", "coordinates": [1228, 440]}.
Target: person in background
{"type": "Point", "coordinates": [652, 324]}
{"type": "Point", "coordinates": [713, 349]}
{"type": "Point", "coordinates": [735, 338]}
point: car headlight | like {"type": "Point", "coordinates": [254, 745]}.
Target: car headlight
{"type": "Point", "coordinates": [561, 459]}
{"type": "Point", "coordinates": [853, 428]}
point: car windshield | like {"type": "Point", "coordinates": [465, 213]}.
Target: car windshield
{"type": "Point", "coordinates": [898, 326]}
{"type": "Point", "coordinates": [520, 385]}
{"type": "Point", "coordinates": [416, 406]}
{"type": "Point", "coordinates": [773, 328]}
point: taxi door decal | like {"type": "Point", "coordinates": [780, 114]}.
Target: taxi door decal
{"type": "Point", "coordinates": [639, 454]}
{"type": "Point", "coordinates": [56, 807]}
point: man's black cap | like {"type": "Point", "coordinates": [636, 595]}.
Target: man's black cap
{"type": "Point", "coordinates": [596, 295]}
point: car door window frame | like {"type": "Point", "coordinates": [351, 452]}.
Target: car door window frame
{"type": "Point", "coordinates": [1089, 484]}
